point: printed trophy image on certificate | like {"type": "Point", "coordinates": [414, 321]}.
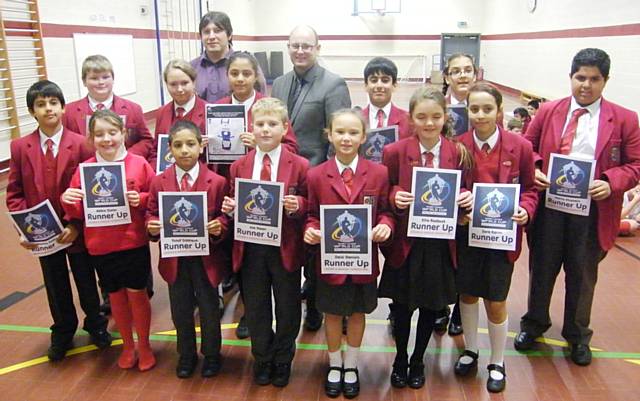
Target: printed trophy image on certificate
{"type": "Point", "coordinates": [491, 225]}
{"type": "Point", "coordinates": [105, 202]}
{"type": "Point", "coordinates": [570, 179]}
{"type": "Point", "coordinates": [184, 221]}
{"type": "Point", "coordinates": [345, 245]}
{"type": "Point", "coordinates": [258, 216]}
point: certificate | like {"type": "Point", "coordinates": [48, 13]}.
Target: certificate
{"type": "Point", "coordinates": [184, 224]}
{"type": "Point", "coordinates": [491, 225]}
{"type": "Point", "coordinates": [258, 216]}
{"type": "Point", "coordinates": [570, 179]}
{"type": "Point", "coordinates": [377, 139]}
{"type": "Point", "coordinates": [40, 225]}
{"type": "Point", "coordinates": [225, 123]}
{"type": "Point", "coordinates": [459, 117]}
{"type": "Point", "coordinates": [105, 202]}
{"type": "Point", "coordinates": [434, 212]}
{"type": "Point", "coordinates": [165, 157]}
{"type": "Point", "coordinates": [346, 239]}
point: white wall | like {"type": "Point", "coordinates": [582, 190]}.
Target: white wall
{"type": "Point", "coordinates": [543, 65]}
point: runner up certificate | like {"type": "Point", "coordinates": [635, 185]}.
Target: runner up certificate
{"type": "Point", "coordinates": [105, 201]}
{"type": "Point", "coordinates": [40, 225]}
{"type": "Point", "coordinates": [346, 239]}
{"type": "Point", "coordinates": [434, 211]}
{"type": "Point", "coordinates": [184, 224]}
{"type": "Point", "coordinates": [570, 179]}
{"type": "Point", "coordinates": [258, 216]}
{"type": "Point", "coordinates": [491, 225]}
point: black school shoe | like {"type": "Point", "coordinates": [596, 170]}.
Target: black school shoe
{"type": "Point", "coordinates": [186, 366]}
{"type": "Point", "coordinates": [57, 351]}
{"type": "Point", "coordinates": [580, 354]}
{"type": "Point", "coordinates": [416, 376]}
{"type": "Point", "coordinates": [312, 319]}
{"type": "Point", "coordinates": [399, 376]}
{"type": "Point", "coordinates": [281, 374]}
{"type": "Point", "coordinates": [101, 338]}
{"type": "Point", "coordinates": [351, 390]}
{"type": "Point", "coordinates": [262, 373]}
{"type": "Point", "coordinates": [463, 369]}
{"type": "Point", "coordinates": [496, 386]}
{"type": "Point", "coordinates": [242, 331]}
{"type": "Point", "coordinates": [442, 321]}
{"type": "Point", "coordinates": [333, 389]}
{"type": "Point", "coordinates": [210, 366]}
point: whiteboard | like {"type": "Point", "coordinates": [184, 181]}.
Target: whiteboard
{"type": "Point", "coordinates": [118, 49]}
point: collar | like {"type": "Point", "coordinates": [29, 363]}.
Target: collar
{"type": "Point", "coordinates": [274, 154]}
{"type": "Point", "coordinates": [122, 153]}
{"type": "Point", "coordinates": [187, 106]}
{"type": "Point", "coordinates": [306, 76]}
{"type": "Point", "coordinates": [454, 101]}
{"type": "Point", "coordinates": [435, 149]}
{"type": "Point", "coordinates": [94, 103]}
{"type": "Point", "coordinates": [247, 103]}
{"type": "Point", "coordinates": [593, 108]}
{"type": "Point", "coordinates": [56, 138]}
{"type": "Point", "coordinates": [352, 165]}
{"type": "Point", "coordinates": [373, 110]}
{"type": "Point", "coordinates": [193, 173]}
{"type": "Point", "coordinates": [492, 140]}
{"type": "Point", "coordinates": [204, 59]}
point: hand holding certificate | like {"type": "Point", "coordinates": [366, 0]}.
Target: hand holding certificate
{"type": "Point", "coordinates": [41, 231]}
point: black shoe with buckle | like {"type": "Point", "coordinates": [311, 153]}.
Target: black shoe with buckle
{"type": "Point", "coordinates": [101, 338]}
{"type": "Point", "coordinates": [333, 389]}
{"type": "Point", "coordinates": [493, 385]}
{"type": "Point", "coordinates": [281, 374]}
{"type": "Point", "coordinates": [581, 354]}
{"type": "Point", "coordinates": [350, 390]}
{"type": "Point", "coordinates": [416, 376]}
{"type": "Point", "coordinates": [399, 375]}
{"type": "Point", "coordinates": [210, 366]}
{"type": "Point", "coordinates": [242, 331]}
{"type": "Point", "coordinates": [524, 341]}
{"type": "Point", "coordinates": [463, 369]}
{"type": "Point", "coordinates": [186, 366]}
{"type": "Point", "coordinates": [454, 329]}
{"type": "Point", "coordinates": [262, 373]}
{"type": "Point", "coordinates": [441, 322]}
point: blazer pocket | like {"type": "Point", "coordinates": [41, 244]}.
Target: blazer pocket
{"type": "Point", "coordinates": [612, 153]}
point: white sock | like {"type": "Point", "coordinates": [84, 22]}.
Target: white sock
{"type": "Point", "coordinates": [469, 316]}
{"type": "Point", "coordinates": [498, 339]}
{"type": "Point", "coordinates": [351, 362]}
{"type": "Point", "coordinates": [335, 360]}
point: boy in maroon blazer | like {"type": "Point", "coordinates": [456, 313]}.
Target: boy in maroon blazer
{"type": "Point", "coordinates": [193, 280]}
{"type": "Point", "coordinates": [588, 126]}
{"type": "Point", "coordinates": [41, 167]}
{"type": "Point", "coordinates": [380, 80]}
{"type": "Point", "coordinates": [264, 267]}
{"type": "Point", "coordinates": [97, 77]}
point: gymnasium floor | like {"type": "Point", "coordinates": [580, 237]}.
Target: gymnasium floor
{"type": "Point", "coordinates": [544, 374]}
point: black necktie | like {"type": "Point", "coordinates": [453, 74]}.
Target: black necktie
{"type": "Point", "coordinates": [298, 83]}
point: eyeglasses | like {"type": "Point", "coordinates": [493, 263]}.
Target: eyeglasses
{"type": "Point", "coordinates": [455, 72]}
{"type": "Point", "coordinates": [305, 47]}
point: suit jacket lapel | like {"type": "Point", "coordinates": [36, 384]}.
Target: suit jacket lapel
{"type": "Point", "coordinates": [557, 123]}
{"type": "Point", "coordinates": [304, 92]}
{"type": "Point", "coordinates": [33, 143]}
{"type": "Point", "coordinates": [605, 128]}
{"type": "Point", "coordinates": [336, 180]}
{"type": "Point", "coordinates": [447, 155]}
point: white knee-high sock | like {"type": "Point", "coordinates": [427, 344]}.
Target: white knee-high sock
{"type": "Point", "coordinates": [498, 339]}
{"type": "Point", "coordinates": [351, 362]}
{"type": "Point", "coordinates": [469, 316]}
{"type": "Point", "coordinates": [335, 359]}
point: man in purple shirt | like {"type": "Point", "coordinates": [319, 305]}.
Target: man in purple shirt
{"type": "Point", "coordinates": [216, 35]}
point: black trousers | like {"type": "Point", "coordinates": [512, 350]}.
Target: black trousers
{"type": "Point", "coordinates": [563, 240]}
{"type": "Point", "coordinates": [192, 287]}
{"type": "Point", "coordinates": [55, 272]}
{"type": "Point", "coordinates": [261, 272]}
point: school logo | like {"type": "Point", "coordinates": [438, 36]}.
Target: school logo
{"type": "Point", "coordinates": [103, 183]}
{"type": "Point", "coordinates": [377, 142]}
{"type": "Point", "coordinates": [495, 204]}
{"type": "Point", "coordinates": [36, 224]}
{"type": "Point", "coordinates": [436, 191]}
{"type": "Point", "coordinates": [168, 157]}
{"type": "Point", "coordinates": [185, 213]}
{"type": "Point", "coordinates": [348, 227]}
{"type": "Point", "coordinates": [571, 176]}
{"type": "Point", "coordinates": [225, 134]}
{"type": "Point", "coordinates": [259, 201]}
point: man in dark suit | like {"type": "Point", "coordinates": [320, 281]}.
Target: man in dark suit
{"type": "Point", "coordinates": [311, 94]}
{"type": "Point", "coordinates": [583, 125]}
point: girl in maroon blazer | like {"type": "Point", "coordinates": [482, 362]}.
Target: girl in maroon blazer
{"type": "Point", "coordinates": [180, 78]}
{"type": "Point", "coordinates": [499, 157]}
{"type": "Point", "coordinates": [120, 252]}
{"type": "Point", "coordinates": [193, 281]}
{"type": "Point", "coordinates": [347, 179]}
{"type": "Point", "coordinates": [419, 272]}
{"type": "Point", "coordinates": [242, 71]}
